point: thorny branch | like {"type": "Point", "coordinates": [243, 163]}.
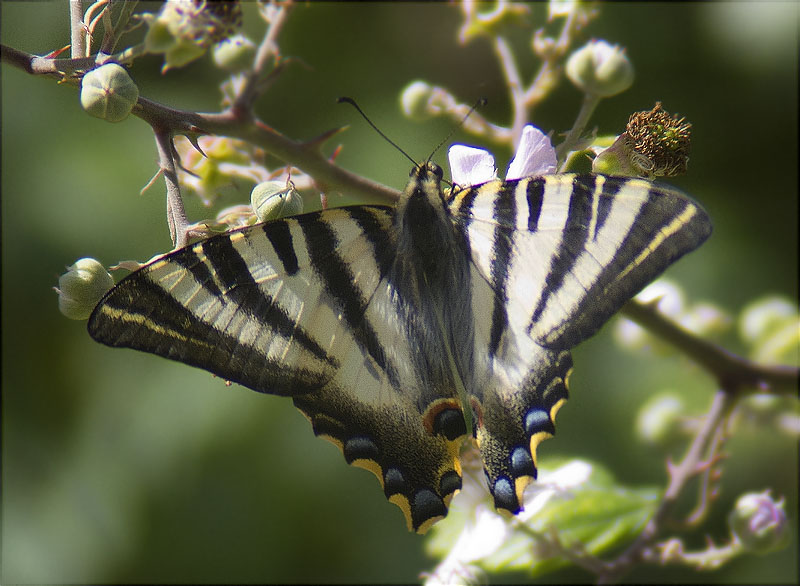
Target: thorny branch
{"type": "Point", "coordinates": [733, 373]}
{"type": "Point", "coordinates": [176, 215]}
{"type": "Point", "coordinates": [679, 476]}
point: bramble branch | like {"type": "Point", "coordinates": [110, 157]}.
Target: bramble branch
{"type": "Point", "coordinates": [733, 373]}
{"type": "Point", "coordinates": [679, 476]}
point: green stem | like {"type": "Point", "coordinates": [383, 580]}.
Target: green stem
{"type": "Point", "coordinates": [588, 106]}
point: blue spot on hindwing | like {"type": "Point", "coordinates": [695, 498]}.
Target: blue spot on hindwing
{"type": "Point", "coordinates": [522, 463]}
{"type": "Point", "coordinates": [536, 420]}
{"type": "Point", "coordinates": [360, 448]}
{"type": "Point", "coordinates": [504, 495]}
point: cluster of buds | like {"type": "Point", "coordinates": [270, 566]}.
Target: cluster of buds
{"type": "Point", "coordinates": [184, 30]}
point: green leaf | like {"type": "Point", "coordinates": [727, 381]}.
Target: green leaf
{"type": "Point", "coordinates": [589, 511]}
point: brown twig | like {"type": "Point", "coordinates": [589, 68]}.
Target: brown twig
{"type": "Point", "coordinates": [679, 476]}
{"type": "Point", "coordinates": [733, 373]}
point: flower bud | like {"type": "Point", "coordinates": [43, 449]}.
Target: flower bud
{"type": "Point", "coordinates": [600, 69]}
{"type": "Point", "coordinates": [81, 287]}
{"type": "Point", "coordinates": [658, 421]}
{"type": "Point", "coordinates": [759, 522]}
{"type": "Point", "coordinates": [414, 100]}
{"type": "Point", "coordinates": [108, 92]}
{"type": "Point", "coordinates": [772, 326]}
{"type": "Point", "coordinates": [275, 199]}
{"type": "Point", "coordinates": [235, 53]}
{"type": "Point", "coordinates": [764, 316]}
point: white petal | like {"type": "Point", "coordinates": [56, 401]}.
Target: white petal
{"type": "Point", "coordinates": [470, 166]}
{"type": "Point", "coordinates": [535, 155]}
{"type": "Point", "coordinates": [552, 483]}
{"type": "Point", "coordinates": [556, 8]}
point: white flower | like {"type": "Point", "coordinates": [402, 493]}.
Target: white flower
{"type": "Point", "coordinates": [486, 531]}
{"type": "Point", "coordinates": [472, 166]}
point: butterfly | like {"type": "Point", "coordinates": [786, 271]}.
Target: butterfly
{"type": "Point", "coordinates": [402, 332]}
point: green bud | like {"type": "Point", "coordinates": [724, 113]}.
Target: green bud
{"type": "Point", "coordinates": [659, 419]}
{"type": "Point", "coordinates": [81, 287]}
{"type": "Point", "coordinates": [760, 522]}
{"type": "Point", "coordinates": [108, 92]}
{"type": "Point", "coordinates": [235, 53]}
{"type": "Point", "coordinates": [414, 100]}
{"type": "Point", "coordinates": [600, 69]}
{"type": "Point", "coordinates": [771, 325]}
{"type": "Point", "coordinates": [764, 316]}
{"type": "Point", "coordinates": [275, 199]}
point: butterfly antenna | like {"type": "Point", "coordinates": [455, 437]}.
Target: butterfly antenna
{"type": "Point", "coordinates": [479, 104]}
{"type": "Point", "coordinates": [352, 102]}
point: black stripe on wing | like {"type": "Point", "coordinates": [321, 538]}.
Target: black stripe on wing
{"type": "Point", "coordinates": [611, 186]}
{"type": "Point", "coordinates": [535, 195]}
{"type": "Point", "coordinates": [573, 239]}
{"type": "Point", "coordinates": [138, 313]}
{"type": "Point", "coordinates": [667, 226]}
{"type": "Point", "coordinates": [339, 282]}
{"type": "Point", "coordinates": [505, 215]}
{"type": "Point", "coordinates": [377, 236]}
{"type": "Point", "coordinates": [280, 236]}
{"type": "Point", "coordinates": [241, 288]}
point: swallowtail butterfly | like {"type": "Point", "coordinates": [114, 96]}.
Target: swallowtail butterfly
{"type": "Point", "coordinates": [400, 332]}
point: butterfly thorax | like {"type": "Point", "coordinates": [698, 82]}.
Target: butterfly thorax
{"type": "Point", "coordinates": [429, 272]}
{"type": "Point", "coordinates": [429, 249]}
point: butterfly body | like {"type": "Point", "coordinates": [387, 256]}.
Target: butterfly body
{"type": "Point", "coordinates": [401, 332]}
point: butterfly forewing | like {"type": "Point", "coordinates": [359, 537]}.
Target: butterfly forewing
{"type": "Point", "coordinates": [383, 324]}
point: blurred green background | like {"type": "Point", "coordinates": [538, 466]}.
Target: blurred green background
{"type": "Point", "coordinates": [123, 467]}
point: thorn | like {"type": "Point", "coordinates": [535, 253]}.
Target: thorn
{"type": "Point", "coordinates": [57, 52]}
{"type": "Point", "coordinates": [127, 265]}
{"type": "Point", "coordinates": [193, 140]}
{"type": "Point", "coordinates": [335, 154]}
{"type": "Point", "coordinates": [150, 183]}
{"type": "Point", "coordinates": [319, 140]}
{"type": "Point", "coordinates": [671, 467]}
{"type": "Point", "coordinates": [652, 304]}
